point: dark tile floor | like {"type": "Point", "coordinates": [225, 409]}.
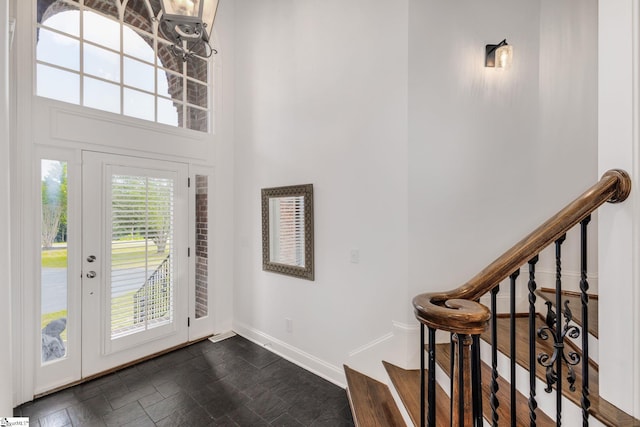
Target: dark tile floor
{"type": "Point", "coordinates": [230, 383]}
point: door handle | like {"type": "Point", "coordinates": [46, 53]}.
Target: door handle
{"type": "Point", "coordinates": [91, 274]}
{"type": "Point", "coordinates": [91, 258]}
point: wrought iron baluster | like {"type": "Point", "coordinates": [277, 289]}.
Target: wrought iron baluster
{"type": "Point", "coordinates": [558, 360]}
{"type": "Point", "coordinates": [554, 327]}
{"type": "Point", "coordinates": [476, 379]}
{"type": "Point", "coordinates": [512, 341]}
{"type": "Point", "coordinates": [494, 358]}
{"type": "Point", "coordinates": [432, 378]}
{"type": "Point", "coordinates": [452, 365]}
{"type": "Point", "coordinates": [461, 344]}
{"type": "Point", "coordinates": [584, 297]}
{"type": "Point", "coordinates": [422, 379]}
{"type": "Point", "coordinates": [533, 404]}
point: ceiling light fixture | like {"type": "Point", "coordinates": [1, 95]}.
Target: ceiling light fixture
{"type": "Point", "coordinates": [188, 24]}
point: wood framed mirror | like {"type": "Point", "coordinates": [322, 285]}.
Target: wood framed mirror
{"type": "Point", "coordinates": [287, 230]}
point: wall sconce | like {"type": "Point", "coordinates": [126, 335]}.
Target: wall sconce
{"type": "Point", "coordinates": [498, 55]}
{"type": "Point", "coordinates": [12, 30]}
{"type": "Point", "coordinates": [188, 24]}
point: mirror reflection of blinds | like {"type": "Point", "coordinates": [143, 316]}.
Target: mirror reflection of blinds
{"type": "Point", "coordinates": [141, 248]}
{"type": "Point", "coordinates": [288, 239]}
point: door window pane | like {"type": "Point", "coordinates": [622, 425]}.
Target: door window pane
{"type": "Point", "coordinates": [141, 249]}
{"type": "Point", "coordinates": [202, 248]}
{"type": "Point", "coordinates": [53, 260]}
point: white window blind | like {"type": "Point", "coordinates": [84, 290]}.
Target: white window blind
{"type": "Point", "coordinates": [287, 234]}
{"type": "Point", "coordinates": [141, 253]}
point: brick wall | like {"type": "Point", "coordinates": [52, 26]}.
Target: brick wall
{"type": "Point", "coordinates": [202, 252]}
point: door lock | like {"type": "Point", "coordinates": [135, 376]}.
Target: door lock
{"type": "Point", "coordinates": [91, 258]}
{"type": "Point", "coordinates": [91, 274]}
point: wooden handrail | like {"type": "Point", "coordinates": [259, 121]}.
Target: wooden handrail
{"type": "Point", "coordinates": [457, 311]}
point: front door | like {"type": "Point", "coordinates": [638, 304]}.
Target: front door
{"type": "Point", "coordinates": [134, 266]}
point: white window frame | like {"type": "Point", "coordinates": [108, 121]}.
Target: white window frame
{"type": "Point", "coordinates": [183, 103]}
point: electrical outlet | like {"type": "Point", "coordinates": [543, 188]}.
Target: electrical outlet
{"type": "Point", "coordinates": [289, 325]}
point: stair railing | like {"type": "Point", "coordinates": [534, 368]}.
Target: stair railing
{"type": "Point", "coordinates": [460, 313]}
{"type": "Point", "coordinates": [152, 300]}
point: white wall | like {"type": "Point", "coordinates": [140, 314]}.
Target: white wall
{"type": "Point", "coordinates": [223, 218]}
{"type": "Point", "coordinates": [619, 237]}
{"type": "Point", "coordinates": [321, 98]}
{"type": "Point", "coordinates": [423, 159]}
{"type": "Point", "coordinates": [472, 131]}
{"type": "Point", "coordinates": [567, 149]}
{"type": "Point", "coordinates": [6, 377]}
{"type": "Point", "coordinates": [495, 153]}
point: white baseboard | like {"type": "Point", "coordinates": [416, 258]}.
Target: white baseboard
{"type": "Point", "coordinates": [293, 354]}
{"type": "Point", "coordinates": [369, 346]}
{"type": "Point", "coordinates": [400, 347]}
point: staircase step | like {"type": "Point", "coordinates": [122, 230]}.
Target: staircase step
{"type": "Point", "coordinates": [575, 305]}
{"type": "Point", "coordinates": [372, 404]}
{"type": "Point", "coordinates": [443, 357]}
{"type": "Point", "coordinates": [602, 410]}
{"type": "Point", "coordinates": [407, 384]}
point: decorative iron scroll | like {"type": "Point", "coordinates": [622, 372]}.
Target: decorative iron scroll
{"type": "Point", "coordinates": [571, 359]}
{"type": "Point", "coordinates": [559, 333]}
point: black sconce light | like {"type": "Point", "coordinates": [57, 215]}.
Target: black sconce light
{"type": "Point", "coordinates": [498, 55]}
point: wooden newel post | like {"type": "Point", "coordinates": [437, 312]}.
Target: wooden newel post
{"type": "Point", "coordinates": [461, 398]}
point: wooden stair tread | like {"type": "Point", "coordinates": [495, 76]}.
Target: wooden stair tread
{"type": "Point", "coordinates": [607, 413]}
{"type": "Point", "coordinates": [407, 384]}
{"type": "Point", "coordinates": [575, 305]}
{"type": "Point", "coordinates": [372, 404]}
{"type": "Point", "coordinates": [443, 357]}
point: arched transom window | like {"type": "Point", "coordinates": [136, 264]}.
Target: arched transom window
{"type": "Point", "coordinates": [109, 55]}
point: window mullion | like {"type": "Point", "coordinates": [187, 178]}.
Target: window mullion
{"type": "Point", "coordinates": [121, 12]}
{"type": "Point", "coordinates": [154, 29]}
{"type": "Point", "coordinates": [82, 9]}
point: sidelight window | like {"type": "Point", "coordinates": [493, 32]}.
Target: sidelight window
{"type": "Point", "coordinates": [53, 260]}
